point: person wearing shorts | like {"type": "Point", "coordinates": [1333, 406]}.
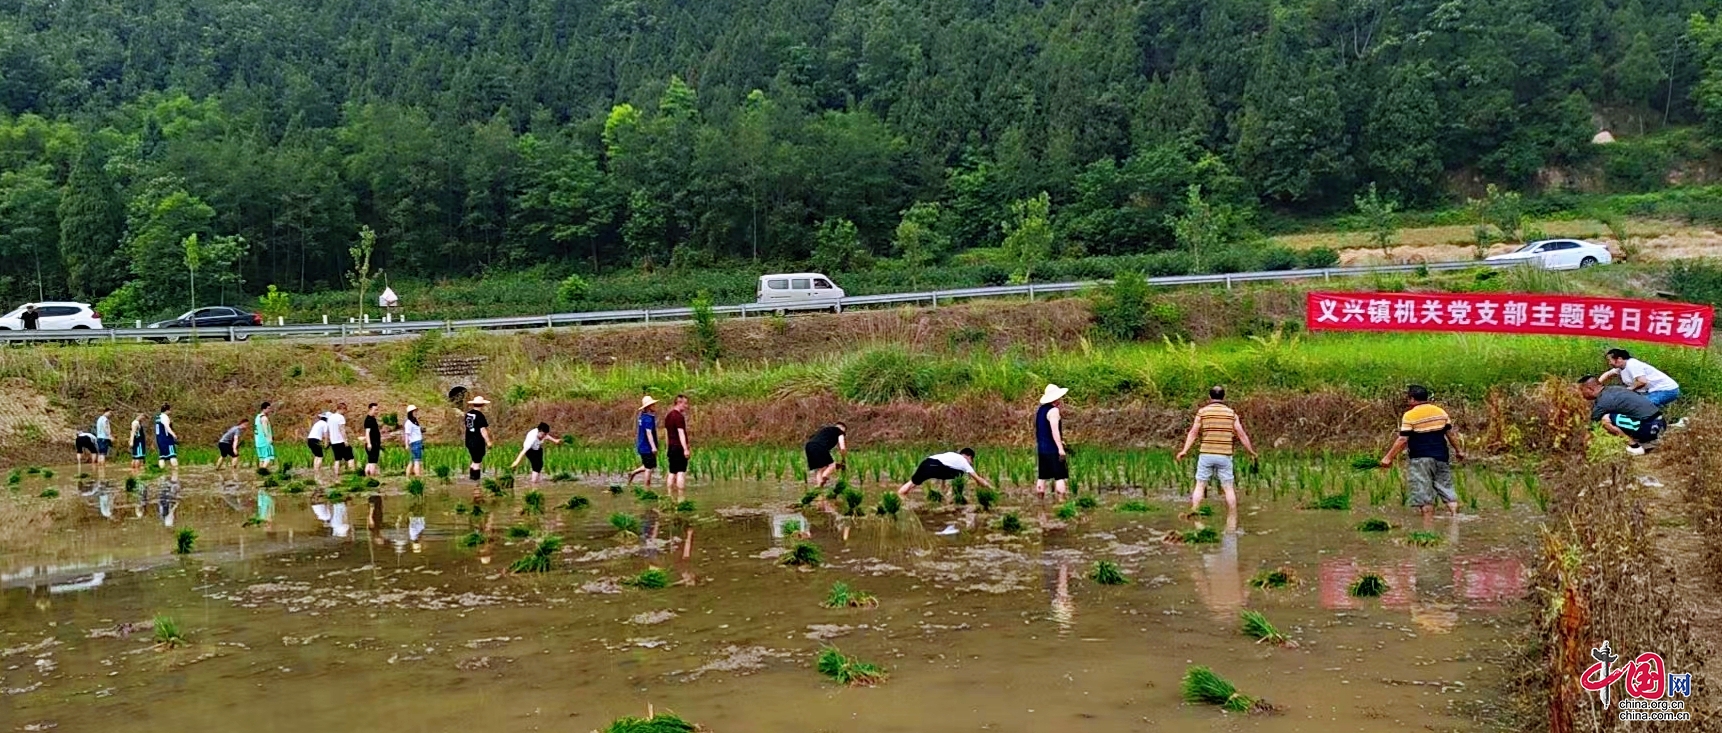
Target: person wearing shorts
{"type": "Point", "coordinates": [104, 436]}
{"type": "Point", "coordinates": [646, 441]}
{"type": "Point", "coordinates": [263, 435]}
{"type": "Point", "coordinates": [339, 450]}
{"type": "Point", "coordinates": [373, 441]}
{"type": "Point", "coordinates": [140, 444]}
{"type": "Point", "coordinates": [944, 467]}
{"type": "Point", "coordinates": [1427, 438]}
{"type": "Point", "coordinates": [532, 450]}
{"type": "Point", "coordinates": [166, 441]}
{"type": "Point", "coordinates": [1625, 413]}
{"type": "Point", "coordinates": [477, 437]}
{"type": "Point", "coordinates": [1216, 426]}
{"type": "Point", "coordinates": [676, 431]}
{"type": "Point", "coordinates": [1052, 462]}
{"type": "Point", "coordinates": [228, 445]}
{"type": "Point", "coordinates": [315, 440]}
{"type": "Point", "coordinates": [833, 437]}
{"type": "Point", "coordinates": [84, 443]}
{"type": "Point", "coordinates": [413, 435]}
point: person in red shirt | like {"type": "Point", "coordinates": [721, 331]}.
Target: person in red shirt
{"type": "Point", "coordinates": [677, 448]}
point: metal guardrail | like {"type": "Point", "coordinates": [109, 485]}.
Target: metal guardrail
{"type": "Point", "coordinates": [648, 315]}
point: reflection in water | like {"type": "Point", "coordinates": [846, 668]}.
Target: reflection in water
{"type": "Point", "coordinates": [167, 501]}
{"type": "Point", "coordinates": [338, 520]}
{"type": "Point", "coordinates": [104, 501]}
{"type": "Point", "coordinates": [89, 583]}
{"type": "Point", "coordinates": [1218, 580]}
{"type": "Point", "coordinates": [1063, 607]}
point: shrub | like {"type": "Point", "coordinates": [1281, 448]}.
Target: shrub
{"type": "Point", "coordinates": [1319, 257]}
{"type": "Point", "coordinates": [1280, 258]}
{"type": "Point", "coordinates": [572, 290]}
{"type": "Point", "coordinates": [705, 330]}
{"type": "Point", "coordinates": [879, 376]}
{"type": "Point", "coordinates": [1121, 309]}
{"type": "Point", "coordinates": [274, 304]}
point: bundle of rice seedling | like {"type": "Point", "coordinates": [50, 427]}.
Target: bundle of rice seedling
{"type": "Point", "coordinates": [842, 596]}
{"type": "Point", "coordinates": [934, 496]}
{"type": "Point", "coordinates": [1067, 511]}
{"type": "Point", "coordinates": [533, 503]}
{"type": "Point", "coordinates": [1201, 685]}
{"type": "Point", "coordinates": [1374, 524]}
{"type": "Point", "coordinates": [1011, 523]}
{"type": "Point", "coordinates": [540, 559]}
{"type": "Point", "coordinates": [686, 506]}
{"type": "Point", "coordinates": [848, 670]}
{"type": "Point", "coordinates": [808, 497]}
{"type": "Point", "coordinates": [1276, 578]}
{"type": "Point", "coordinates": [625, 523]}
{"type": "Point", "coordinates": [49, 494]}
{"type": "Point", "coordinates": [615, 488]}
{"type": "Point", "coordinates": [852, 499]}
{"type": "Point", "coordinates": [473, 539]}
{"type": "Point", "coordinates": [1369, 585]}
{"type": "Point", "coordinates": [1257, 626]}
{"type": "Point", "coordinates": [1135, 506]}
{"type": "Point", "coordinates": [645, 496]}
{"type": "Point", "coordinates": [986, 498]}
{"type": "Point", "coordinates": [184, 541]}
{"type": "Point", "coordinates": [1201, 536]}
{"type": "Point", "coordinates": [1202, 511]}
{"type": "Point", "coordinates": [1337, 502]}
{"type": "Point", "coordinates": [1365, 463]}
{"type": "Point", "coordinates": [519, 532]}
{"type": "Point", "coordinates": [791, 527]}
{"type": "Point", "coordinates": [1106, 572]}
{"type": "Point", "coordinates": [562, 477]}
{"type": "Point", "coordinates": [167, 634]}
{"type": "Point", "coordinates": [1423, 539]}
{"type": "Point", "coordinates": [804, 554]}
{"type": "Point", "coordinates": [1086, 502]}
{"type": "Point", "coordinates": [652, 578]}
{"type": "Point", "coordinates": [576, 503]}
{"type": "Point", "coordinates": [656, 724]}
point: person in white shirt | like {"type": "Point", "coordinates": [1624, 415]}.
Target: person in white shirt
{"type": "Point", "coordinates": [1642, 378]}
{"type": "Point", "coordinates": [315, 440]}
{"type": "Point", "coordinates": [944, 467]}
{"type": "Point", "coordinates": [413, 434]}
{"type": "Point", "coordinates": [532, 449]}
{"type": "Point", "coordinates": [338, 447]}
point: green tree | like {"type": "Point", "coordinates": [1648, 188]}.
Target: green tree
{"type": "Point", "coordinates": [158, 221]}
{"type": "Point", "coordinates": [30, 236]}
{"type": "Point", "coordinates": [838, 247]}
{"type": "Point", "coordinates": [274, 305]}
{"type": "Point", "coordinates": [919, 239]}
{"type": "Point", "coordinates": [193, 258]}
{"type": "Point", "coordinates": [1028, 236]}
{"type": "Point", "coordinates": [1202, 228]}
{"type": "Point", "coordinates": [362, 274]}
{"type": "Point", "coordinates": [223, 255]}
{"type": "Point", "coordinates": [92, 222]}
{"type": "Point", "coordinates": [1378, 216]}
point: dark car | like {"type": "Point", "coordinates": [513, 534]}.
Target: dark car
{"type": "Point", "coordinates": [213, 317]}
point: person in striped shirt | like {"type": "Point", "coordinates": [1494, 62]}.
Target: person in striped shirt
{"type": "Point", "coordinates": [1426, 436]}
{"type": "Point", "coordinates": [1216, 426]}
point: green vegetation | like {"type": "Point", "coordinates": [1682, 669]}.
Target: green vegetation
{"type": "Point", "coordinates": [1010, 523]}
{"type": "Point", "coordinates": [1087, 502]}
{"type": "Point", "coordinates": [664, 723]}
{"type": "Point", "coordinates": [627, 524]}
{"type": "Point", "coordinates": [49, 493]}
{"type": "Point", "coordinates": [1201, 536]}
{"type": "Point", "coordinates": [852, 499]}
{"type": "Point", "coordinates": [184, 541]}
{"type": "Point", "coordinates": [686, 506]}
{"type": "Point", "coordinates": [473, 539]}
{"type": "Point", "coordinates": [1201, 685]}
{"type": "Point", "coordinates": [808, 497]}
{"type": "Point", "coordinates": [1106, 572]}
{"type": "Point", "coordinates": [541, 559]}
{"type": "Point", "coordinates": [804, 554]}
{"type": "Point", "coordinates": [791, 527]}
{"type": "Point", "coordinates": [986, 498]}
{"type": "Point", "coordinates": [1368, 585]}
{"type": "Point", "coordinates": [1276, 578]}
{"type": "Point", "coordinates": [934, 496]}
{"type": "Point", "coordinates": [519, 532]}
{"type": "Point", "coordinates": [1067, 511]}
{"type": "Point", "coordinates": [848, 670]}
{"type": "Point", "coordinates": [652, 578]}
{"type": "Point", "coordinates": [1256, 626]}
{"type": "Point", "coordinates": [167, 634]}
{"type": "Point", "coordinates": [1335, 502]}
{"type": "Point", "coordinates": [842, 596]}
{"type": "Point", "coordinates": [1374, 524]}
{"type": "Point", "coordinates": [415, 487]}
{"type": "Point", "coordinates": [1423, 539]}
{"type": "Point", "coordinates": [890, 504]}
{"type": "Point", "coordinates": [1135, 506]}
{"type": "Point", "coordinates": [532, 503]}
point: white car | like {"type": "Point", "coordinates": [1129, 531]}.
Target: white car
{"type": "Point", "coordinates": [799, 291]}
{"type": "Point", "coordinates": [55, 316]}
{"type": "Point", "coordinates": [1558, 254]}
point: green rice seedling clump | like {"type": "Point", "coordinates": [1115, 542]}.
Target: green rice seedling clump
{"type": "Point", "coordinates": [252, 522]}
{"type": "Point", "coordinates": [805, 555]}
{"type": "Point", "coordinates": [934, 496]}
{"type": "Point", "coordinates": [262, 471]}
{"type": "Point", "coordinates": [1276, 578]}
{"type": "Point", "coordinates": [562, 477]}
{"type": "Point", "coordinates": [808, 497]}
{"type": "Point", "coordinates": [1201, 685]}
{"type": "Point", "coordinates": [184, 541]}
{"type": "Point", "coordinates": [270, 482]}
{"type": "Point", "coordinates": [1369, 585]}
{"type": "Point", "coordinates": [852, 499]}
{"type": "Point", "coordinates": [661, 724]}
{"type": "Point", "coordinates": [47, 473]}
{"type": "Point", "coordinates": [442, 473]}
{"type": "Point", "coordinates": [890, 503]}
{"type": "Point", "coordinates": [1010, 523]}
{"type": "Point", "coordinates": [167, 634]}
{"type": "Point", "coordinates": [372, 483]}
{"type": "Point", "coordinates": [540, 559]}
{"type": "Point", "coordinates": [1202, 536]}
{"type": "Point", "coordinates": [1087, 502]}
{"type": "Point", "coordinates": [472, 539]}
{"type": "Point", "coordinates": [296, 487]}
{"type": "Point", "coordinates": [1203, 511]}
{"type": "Point", "coordinates": [791, 527]}
{"type": "Point", "coordinates": [987, 498]}
{"type": "Point", "coordinates": [958, 497]}
{"type": "Point", "coordinates": [652, 578]}
{"type": "Point", "coordinates": [1374, 524]}
{"type": "Point", "coordinates": [15, 477]}
{"type": "Point", "coordinates": [49, 494]}
{"type": "Point", "coordinates": [1135, 506]}
{"type": "Point", "coordinates": [1067, 511]}
{"type": "Point", "coordinates": [131, 484]}
{"type": "Point", "coordinates": [506, 482]}
{"type": "Point", "coordinates": [843, 596]}
{"type": "Point", "coordinates": [415, 487]}
{"type": "Point", "coordinates": [519, 532]}
{"type": "Point", "coordinates": [1106, 572]}
{"type": "Point", "coordinates": [1365, 463]}
{"type": "Point", "coordinates": [686, 506]}
{"type": "Point", "coordinates": [625, 523]}
{"type": "Point", "coordinates": [1423, 539]}
{"type": "Point", "coordinates": [615, 488]}
{"type": "Point", "coordinates": [1256, 626]}
{"type": "Point", "coordinates": [491, 486]}
{"type": "Point", "coordinates": [576, 503]}
{"type": "Point", "coordinates": [1334, 502]}
{"type": "Point", "coordinates": [645, 496]}
{"type": "Point", "coordinates": [848, 670]}
{"type": "Point", "coordinates": [33, 470]}
{"type": "Point", "coordinates": [533, 503]}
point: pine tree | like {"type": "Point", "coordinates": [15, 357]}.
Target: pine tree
{"type": "Point", "coordinates": [92, 222]}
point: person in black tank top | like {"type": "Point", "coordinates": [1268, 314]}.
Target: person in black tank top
{"type": "Point", "coordinates": [819, 447]}
{"type": "Point", "coordinates": [1052, 462]}
{"type": "Point", "coordinates": [477, 437]}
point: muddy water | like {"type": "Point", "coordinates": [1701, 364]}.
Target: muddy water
{"type": "Point", "coordinates": [294, 629]}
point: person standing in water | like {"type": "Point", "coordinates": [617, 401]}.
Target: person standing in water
{"type": "Point", "coordinates": [228, 446]}
{"type": "Point", "coordinates": [1426, 435]}
{"type": "Point", "coordinates": [373, 441]}
{"type": "Point", "coordinates": [676, 432]}
{"type": "Point", "coordinates": [339, 449]}
{"type": "Point", "coordinates": [1216, 425]}
{"type": "Point", "coordinates": [166, 441]}
{"type": "Point", "coordinates": [819, 459]}
{"type": "Point", "coordinates": [263, 434]}
{"type": "Point", "coordinates": [315, 440]}
{"type": "Point", "coordinates": [532, 449]}
{"type": "Point", "coordinates": [646, 441]}
{"type": "Point", "coordinates": [413, 435]}
{"type": "Point", "coordinates": [477, 437]}
{"type": "Point", "coordinates": [1052, 459]}
{"type": "Point", "coordinates": [140, 444]}
{"type": "Point", "coordinates": [104, 436]}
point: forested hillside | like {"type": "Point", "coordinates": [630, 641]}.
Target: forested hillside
{"type": "Point", "coordinates": [607, 134]}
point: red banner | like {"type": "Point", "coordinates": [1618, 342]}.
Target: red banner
{"type": "Point", "coordinates": [1524, 313]}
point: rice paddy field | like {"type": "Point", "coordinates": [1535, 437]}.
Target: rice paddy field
{"type": "Point", "coordinates": [190, 599]}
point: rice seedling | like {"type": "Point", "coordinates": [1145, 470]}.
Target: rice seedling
{"type": "Point", "coordinates": [1202, 511]}
{"type": "Point", "coordinates": [49, 493]}
{"type": "Point", "coordinates": [252, 521]}
{"type": "Point", "coordinates": [838, 487]}
{"type": "Point", "coordinates": [1276, 578]}
{"type": "Point", "coordinates": [934, 497]}
{"type": "Point", "coordinates": [519, 532]}
{"type": "Point", "coordinates": [1423, 539]}
{"type": "Point", "coordinates": [890, 503]}
{"type": "Point", "coordinates": [657, 724]}
{"type": "Point", "coordinates": [47, 473]}
{"type": "Point", "coordinates": [371, 483]}
{"type": "Point", "coordinates": [848, 670]}
{"type": "Point", "coordinates": [1086, 502]}
{"type": "Point", "coordinates": [81, 476]}
{"type": "Point", "coordinates": [167, 634]}
{"type": "Point", "coordinates": [808, 497]}
{"type": "Point", "coordinates": [627, 524]}
{"type": "Point", "coordinates": [473, 539]}
{"type": "Point", "coordinates": [986, 498]}
{"type": "Point", "coordinates": [686, 506]}
{"type": "Point", "coordinates": [1135, 506]}
{"type": "Point", "coordinates": [462, 509]}
{"type": "Point", "coordinates": [1534, 490]}
{"type": "Point", "coordinates": [958, 498]}
{"type": "Point", "coordinates": [297, 487]}
{"type": "Point", "coordinates": [1106, 572]}
{"type": "Point", "coordinates": [15, 477]}
{"type": "Point", "coordinates": [843, 596]}
{"type": "Point", "coordinates": [1201, 685]}
{"type": "Point", "coordinates": [1201, 536]}
{"type": "Point", "coordinates": [1374, 524]}
{"type": "Point", "coordinates": [532, 503]}
{"type": "Point", "coordinates": [791, 527]}
{"type": "Point", "coordinates": [1010, 523]}
{"type": "Point", "coordinates": [852, 499]}
{"type": "Point", "coordinates": [33, 470]}
{"type": "Point", "coordinates": [183, 541]}
{"type": "Point", "coordinates": [652, 578]}
{"type": "Point", "coordinates": [1365, 463]}
{"type": "Point", "coordinates": [576, 503]}
{"type": "Point", "coordinates": [336, 496]}
{"type": "Point", "coordinates": [415, 487]}
{"type": "Point", "coordinates": [491, 486]}
{"type": "Point", "coordinates": [442, 473]}
{"type": "Point", "coordinates": [804, 554]}
{"type": "Point", "coordinates": [1368, 585]}
{"type": "Point", "coordinates": [270, 482]}
{"type": "Point", "coordinates": [1257, 626]}
{"type": "Point", "coordinates": [131, 484]}
{"type": "Point", "coordinates": [286, 470]}
{"type": "Point", "coordinates": [645, 496]}
{"type": "Point", "coordinates": [261, 471]}
{"type": "Point", "coordinates": [1066, 511]}
{"type": "Point", "coordinates": [1335, 502]}
{"type": "Point", "coordinates": [540, 559]}
{"type": "Point", "coordinates": [615, 488]}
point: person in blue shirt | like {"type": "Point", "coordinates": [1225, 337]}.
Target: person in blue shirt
{"type": "Point", "coordinates": [646, 441]}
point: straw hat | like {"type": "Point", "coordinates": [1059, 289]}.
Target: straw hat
{"type": "Point", "coordinates": [412, 408]}
{"type": "Point", "coordinates": [646, 402]}
{"type": "Point", "coordinates": [479, 401]}
{"type": "Point", "coordinates": [1052, 394]}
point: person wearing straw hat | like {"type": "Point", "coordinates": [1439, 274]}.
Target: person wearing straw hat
{"type": "Point", "coordinates": [646, 440]}
{"type": "Point", "coordinates": [413, 435]}
{"type": "Point", "coordinates": [1216, 425]}
{"type": "Point", "coordinates": [1052, 460]}
{"type": "Point", "coordinates": [477, 437]}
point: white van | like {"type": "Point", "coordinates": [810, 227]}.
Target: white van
{"type": "Point", "coordinates": [800, 291]}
